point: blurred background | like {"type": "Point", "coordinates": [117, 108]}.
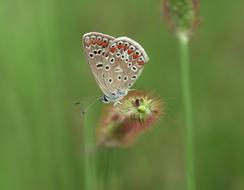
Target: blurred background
{"type": "Point", "coordinates": [43, 71]}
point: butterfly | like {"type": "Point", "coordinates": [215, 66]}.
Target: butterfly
{"type": "Point", "coordinates": [116, 63]}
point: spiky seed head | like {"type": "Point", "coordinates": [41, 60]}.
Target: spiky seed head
{"type": "Point", "coordinates": [181, 16]}
{"type": "Point", "coordinates": [120, 125]}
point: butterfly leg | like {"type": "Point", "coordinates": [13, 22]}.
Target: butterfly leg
{"type": "Point", "coordinates": [117, 102]}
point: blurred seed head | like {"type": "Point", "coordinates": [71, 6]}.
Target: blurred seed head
{"type": "Point", "coordinates": [120, 125]}
{"type": "Point", "coordinates": [181, 16]}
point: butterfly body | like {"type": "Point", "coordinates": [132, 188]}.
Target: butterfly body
{"type": "Point", "coordinates": [114, 97]}
{"type": "Point", "coordinates": [116, 63]}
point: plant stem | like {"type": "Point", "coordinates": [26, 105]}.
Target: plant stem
{"type": "Point", "coordinates": [187, 106]}
{"type": "Point", "coordinates": [89, 156]}
{"type": "Point", "coordinates": [107, 168]}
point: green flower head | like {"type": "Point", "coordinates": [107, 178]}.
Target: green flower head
{"type": "Point", "coordinates": [121, 124]}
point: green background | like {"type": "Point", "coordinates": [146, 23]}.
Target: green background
{"type": "Point", "coordinates": [43, 72]}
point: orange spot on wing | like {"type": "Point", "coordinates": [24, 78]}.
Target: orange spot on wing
{"type": "Point", "coordinates": [99, 42]}
{"type": "Point", "coordinates": [135, 56]}
{"type": "Point", "coordinates": [112, 49]}
{"type": "Point", "coordinates": [141, 63]}
{"type": "Point", "coordinates": [130, 51]}
{"type": "Point", "coordinates": [125, 48]}
{"type": "Point", "coordinates": [119, 46]}
{"type": "Point", "coordinates": [104, 44]}
{"type": "Point", "coordinates": [93, 42]}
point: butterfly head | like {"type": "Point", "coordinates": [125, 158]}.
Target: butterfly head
{"type": "Point", "coordinates": [105, 99]}
{"type": "Point", "coordinates": [114, 96]}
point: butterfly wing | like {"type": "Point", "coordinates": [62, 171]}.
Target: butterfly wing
{"type": "Point", "coordinates": [95, 45]}
{"type": "Point", "coordinates": [127, 59]}
{"type": "Point", "coordinates": [115, 63]}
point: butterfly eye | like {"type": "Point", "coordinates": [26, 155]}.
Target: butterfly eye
{"type": "Point", "coordinates": [126, 60]}
{"type": "Point", "coordinates": [105, 40]}
{"type": "Point", "coordinates": [105, 99]}
{"type": "Point", "coordinates": [133, 77]}
{"type": "Point", "coordinates": [125, 78]}
{"type": "Point", "coordinates": [95, 52]}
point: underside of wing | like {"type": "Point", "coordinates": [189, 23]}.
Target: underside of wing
{"type": "Point", "coordinates": [127, 59]}
{"type": "Point", "coordinates": [95, 45]}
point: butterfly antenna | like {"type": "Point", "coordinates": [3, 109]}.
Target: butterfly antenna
{"type": "Point", "coordinates": [89, 106]}
{"type": "Point", "coordinates": [82, 101]}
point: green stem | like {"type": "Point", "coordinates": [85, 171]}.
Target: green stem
{"type": "Point", "coordinates": [187, 106]}
{"type": "Point", "coordinates": [107, 168]}
{"type": "Point", "coordinates": [89, 156]}
{"type": "Point", "coordinates": [106, 155]}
